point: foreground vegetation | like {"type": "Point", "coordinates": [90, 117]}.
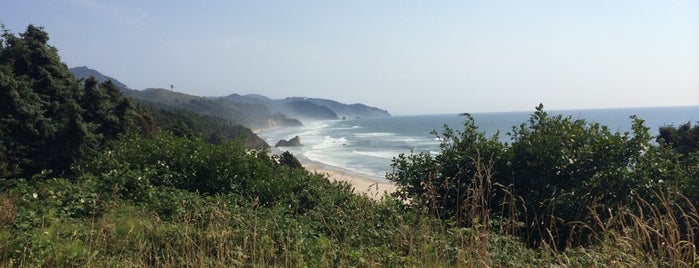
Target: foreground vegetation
{"type": "Point", "coordinates": [191, 203]}
{"type": "Point", "coordinates": [103, 185]}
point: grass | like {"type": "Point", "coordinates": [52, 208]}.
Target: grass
{"type": "Point", "coordinates": [342, 230]}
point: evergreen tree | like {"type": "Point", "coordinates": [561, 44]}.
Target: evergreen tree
{"type": "Point", "coordinates": [48, 119]}
{"type": "Point", "coordinates": [288, 159]}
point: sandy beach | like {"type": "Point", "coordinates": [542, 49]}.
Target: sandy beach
{"type": "Point", "coordinates": [362, 185]}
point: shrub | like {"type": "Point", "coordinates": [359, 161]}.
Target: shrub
{"type": "Point", "coordinates": [559, 165]}
{"type": "Point", "coordinates": [440, 182]}
{"type": "Point", "coordinates": [552, 172]}
{"type": "Point", "coordinates": [135, 168]}
{"type": "Point", "coordinates": [288, 159]}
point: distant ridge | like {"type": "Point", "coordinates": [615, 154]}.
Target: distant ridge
{"type": "Point", "coordinates": [186, 114]}
{"type": "Point", "coordinates": [84, 72]}
{"type": "Point", "coordinates": [251, 110]}
{"type": "Point", "coordinates": [252, 115]}
{"type": "Point", "coordinates": [349, 111]}
{"type": "Point", "coordinates": [311, 108]}
{"type": "Point", "coordinates": [164, 96]}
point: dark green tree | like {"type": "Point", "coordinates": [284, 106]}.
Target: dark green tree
{"type": "Point", "coordinates": [288, 159]}
{"type": "Point", "coordinates": [682, 144]}
{"type": "Point", "coordinates": [39, 114]}
{"type": "Point", "coordinates": [48, 118]}
{"type": "Point", "coordinates": [684, 139]}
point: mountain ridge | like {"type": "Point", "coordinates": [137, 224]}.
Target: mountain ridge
{"type": "Point", "coordinates": [290, 107]}
{"type": "Point", "coordinates": [251, 110]}
{"type": "Point", "coordinates": [85, 72]}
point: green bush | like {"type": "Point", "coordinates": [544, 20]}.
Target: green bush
{"type": "Point", "coordinates": [288, 159]}
{"type": "Point", "coordinates": [440, 182]}
{"type": "Point", "coordinates": [550, 175]}
{"type": "Point", "coordinates": [135, 168]}
{"type": "Point", "coordinates": [559, 166]}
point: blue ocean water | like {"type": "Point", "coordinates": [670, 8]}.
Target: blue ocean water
{"type": "Point", "coordinates": [366, 146]}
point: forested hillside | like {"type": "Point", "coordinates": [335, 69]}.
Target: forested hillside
{"type": "Point", "coordinates": [253, 111]}
{"type": "Point", "coordinates": [212, 129]}
{"type": "Point", "coordinates": [252, 116]}
{"type": "Point", "coordinates": [51, 119]}
{"type": "Point", "coordinates": [248, 115]}
{"type": "Point", "coordinates": [169, 116]}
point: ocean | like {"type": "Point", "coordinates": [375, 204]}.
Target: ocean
{"type": "Point", "coordinates": [365, 147]}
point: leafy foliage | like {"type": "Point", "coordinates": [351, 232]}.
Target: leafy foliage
{"type": "Point", "coordinates": [49, 119]}
{"type": "Point", "coordinates": [288, 159]}
{"type": "Point", "coordinates": [562, 165]}
{"type": "Point", "coordinates": [135, 168]}
{"type": "Point", "coordinates": [680, 150]}
{"type": "Point", "coordinates": [684, 139]}
{"type": "Point", "coordinates": [554, 169]}
{"type": "Point", "coordinates": [440, 182]}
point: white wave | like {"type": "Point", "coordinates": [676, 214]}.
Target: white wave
{"type": "Point", "coordinates": [375, 134]}
{"type": "Point", "coordinates": [313, 156]}
{"type": "Point", "coordinates": [314, 127]}
{"type": "Point", "coordinates": [412, 141]}
{"type": "Point", "coordinates": [330, 142]}
{"type": "Point", "coordinates": [346, 128]}
{"type": "Point", "coordinates": [378, 154]}
{"type": "Point", "coordinates": [407, 139]}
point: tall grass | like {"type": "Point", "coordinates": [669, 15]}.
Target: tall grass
{"type": "Point", "coordinates": [342, 230]}
{"type": "Point", "coordinates": [657, 233]}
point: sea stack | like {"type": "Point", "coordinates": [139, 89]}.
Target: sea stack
{"type": "Point", "coordinates": [296, 141]}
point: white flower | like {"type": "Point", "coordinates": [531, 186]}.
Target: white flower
{"type": "Point", "coordinates": [35, 195]}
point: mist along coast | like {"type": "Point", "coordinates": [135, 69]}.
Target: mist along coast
{"type": "Point", "coordinates": [360, 150]}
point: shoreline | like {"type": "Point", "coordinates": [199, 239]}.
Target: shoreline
{"type": "Point", "coordinates": [361, 185]}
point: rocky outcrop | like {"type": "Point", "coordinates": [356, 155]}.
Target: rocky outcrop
{"type": "Point", "coordinates": [296, 141]}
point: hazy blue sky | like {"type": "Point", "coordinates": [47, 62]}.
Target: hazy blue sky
{"type": "Point", "coordinates": [410, 57]}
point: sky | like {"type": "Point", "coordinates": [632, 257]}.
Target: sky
{"type": "Point", "coordinates": [409, 57]}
